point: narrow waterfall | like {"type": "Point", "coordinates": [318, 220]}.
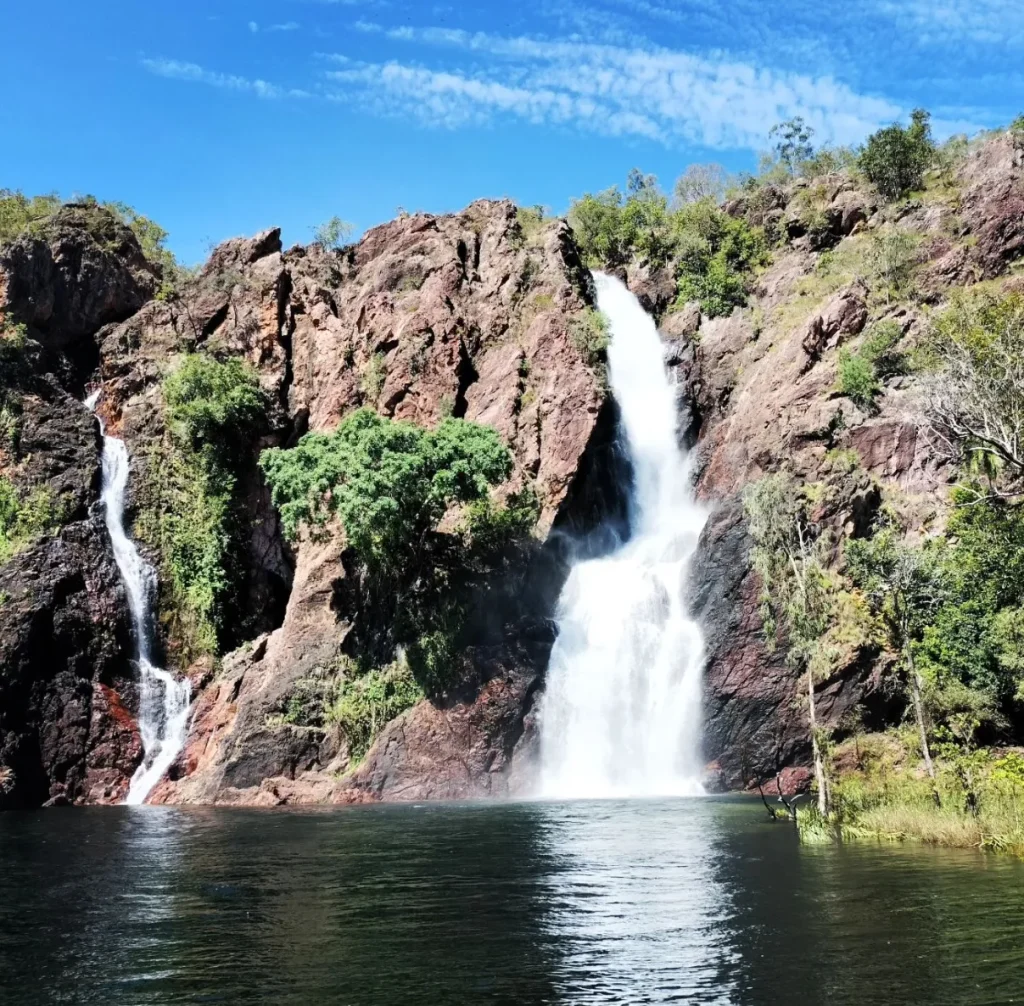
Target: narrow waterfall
{"type": "Point", "coordinates": [621, 711]}
{"type": "Point", "coordinates": [163, 701]}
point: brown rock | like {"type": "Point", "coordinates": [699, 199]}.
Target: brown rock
{"type": "Point", "coordinates": [843, 316]}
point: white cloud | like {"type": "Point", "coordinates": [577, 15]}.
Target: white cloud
{"type": "Point", "coordinates": [657, 93]}
{"type": "Point", "coordinates": [287, 26]}
{"type": "Point", "coordinates": [253, 27]}
{"type": "Point", "coordinates": [175, 70]}
{"type": "Point", "coordinates": [944, 22]}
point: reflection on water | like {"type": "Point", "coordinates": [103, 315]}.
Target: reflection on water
{"type": "Point", "coordinates": [697, 901]}
{"type": "Point", "coordinates": [635, 905]}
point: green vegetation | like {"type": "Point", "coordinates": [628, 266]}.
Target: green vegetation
{"type": "Point", "coordinates": [375, 374]}
{"type": "Point", "coordinates": [975, 399]}
{"type": "Point", "coordinates": [25, 516]}
{"type": "Point", "coordinates": [891, 259]}
{"type": "Point", "coordinates": [366, 704]}
{"type": "Point", "coordinates": [531, 221]}
{"type": "Point", "coordinates": [589, 333]}
{"type": "Point", "coordinates": [20, 214]}
{"type": "Point", "coordinates": [857, 380]}
{"type": "Point", "coordinates": [12, 372]}
{"type": "Point", "coordinates": [881, 797]}
{"type": "Point", "coordinates": [390, 484]}
{"type": "Point", "coordinates": [714, 254]}
{"type": "Point", "coordinates": [190, 512]}
{"type": "Point", "coordinates": [213, 406]}
{"type": "Point", "coordinates": [332, 234]}
{"type": "Point", "coordinates": [798, 595]}
{"type": "Point", "coordinates": [359, 700]}
{"type": "Point", "coordinates": [895, 158]}
{"type": "Point", "coordinates": [946, 610]}
{"type": "Point", "coordinates": [859, 371]}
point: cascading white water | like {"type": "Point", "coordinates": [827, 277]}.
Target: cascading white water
{"type": "Point", "coordinates": [621, 711]}
{"type": "Point", "coordinates": [163, 701]}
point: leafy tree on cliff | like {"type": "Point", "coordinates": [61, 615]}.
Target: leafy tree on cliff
{"type": "Point", "coordinates": [390, 482]}
{"type": "Point", "coordinates": [792, 140]}
{"type": "Point", "coordinates": [895, 158]}
{"type": "Point", "coordinates": [796, 591]}
{"type": "Point", "coordinates": [975, 402]}
{"type": "Point", "coordinates": [904, 586]}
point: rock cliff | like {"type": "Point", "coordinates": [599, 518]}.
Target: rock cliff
{"type": "Point", "coordinates": [472, 315]}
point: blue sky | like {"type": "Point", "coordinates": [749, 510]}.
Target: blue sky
{"type": "Point", "coordinates": [221, 117]}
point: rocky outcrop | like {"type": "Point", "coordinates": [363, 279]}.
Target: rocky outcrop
{"type": "Point", "coordinates": [67, 729]}
{"type": "Point", "coordinates": [764, 386]}
{"type": "Point", "coordinates": [80, 270]}
{"type": "Point", "coordinates": [64, 639]}
{"type": "Point", "coordinates": [425, 317]}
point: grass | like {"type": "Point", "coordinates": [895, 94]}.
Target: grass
{"type": "Point", "coordinates": [834, 270]}
{"type": "Point", "coordinates": [886, 796]}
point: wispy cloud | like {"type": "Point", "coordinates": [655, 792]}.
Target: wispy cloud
{"type": "Point", "coordinates": [620, 90]}
{"type": "Point", "coordinates": [991, 22]}
{"type": "Point", "coordinates": [175, 70]}
{"type": "Point", "coordinates": [287, 26]}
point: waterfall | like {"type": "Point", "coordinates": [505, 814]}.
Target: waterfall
{"type": "Point", "coordinates": [621, 711]}
{"type": "Point", "coordinates": [163, 701]}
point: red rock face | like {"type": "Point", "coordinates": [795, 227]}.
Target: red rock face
{"type": "Point", "coordinates": [766, 399]}
{"type": "Point", "coordinates": [425, 317]}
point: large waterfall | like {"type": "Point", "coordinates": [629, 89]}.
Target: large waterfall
{"type": "Point", "coordinates": [621, 711]}
{"type": "Point", "coordinates": [163, 701]}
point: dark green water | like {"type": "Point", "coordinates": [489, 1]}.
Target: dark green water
{"type": "Point", "coordinates": [686, 901]}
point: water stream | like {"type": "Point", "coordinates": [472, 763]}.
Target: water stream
{"type": "Point", "coordinates": [163, 701]}
{"type": "Point", "coordinates": [621, 712]}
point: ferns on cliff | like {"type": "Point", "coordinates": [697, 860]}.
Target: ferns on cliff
{"type": "Point", "coordinates": [25, 516]}
{"type": "Point", "coordinates": [190, 511]}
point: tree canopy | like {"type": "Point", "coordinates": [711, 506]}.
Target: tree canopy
{"type": "Point", "coordinates": [390, 482]}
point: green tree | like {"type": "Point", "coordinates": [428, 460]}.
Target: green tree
{"type": "Point", "coordinates": [643, 222]}
{"type": "Point", "coordinates": [895, 158]}
{"type": "Point", "coordinates": [974, 401]}
{"type": "Point", "coordinates": [213, 405]}
{"type": "Point", "coordinates": [904, 587]}
{"type": "Point", "coordinates": [332, 234]}
{"type": "Point", "coordinates": [389, 482]}
{"type": "Point", "coordinates": [792, 142]}
{"type": "Point", "coordinates": [796, 591]}
{"type": "Point", "coordinates": [972, 638]}
{"type": "Point", "coordinates": [715, 254]}
{"type": "Point", "coordinates": [596, 222]}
